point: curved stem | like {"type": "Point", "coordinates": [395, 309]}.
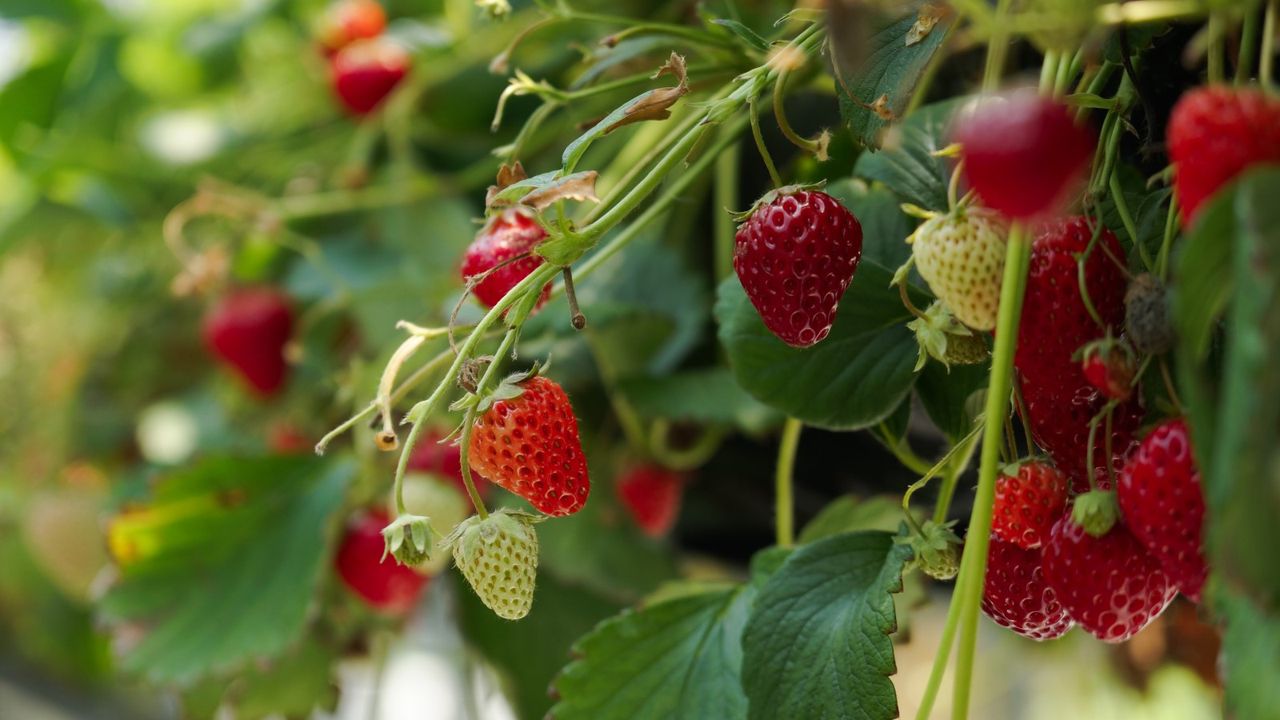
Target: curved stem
{"type": "Point", "coordinates": [1170, 229]}
{"type": "Point", "coordinates": [468, 426]}
{"type": "Point", "coordinates": [780, 117]}
{"type": "Point", "coordinates": [784, 518]}
{"type": "Point", "coordinates": [974, 564]}
{"type": "Point", "coordinates": [1126, 217]}
{"type": "Point", "coordinates": [955, 468]}
{"type": "Point", "coordinates": [774, 177]}
{"type": "Point", "coordinates": [957, 456]}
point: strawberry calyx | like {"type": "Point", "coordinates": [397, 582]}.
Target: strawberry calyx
{"type": "Point", "coordinates": [408, 539]}
{"type": "Point", "coordinates": [509, 388]}
{"type": "Point", "coordinates": [938, 334]}
{"type": "Point", "coordinates": [936, 547]}
{"type": "Point", "coordinates": [774, 194]}
{"type": "Point", "coordinates": [1096, 512]}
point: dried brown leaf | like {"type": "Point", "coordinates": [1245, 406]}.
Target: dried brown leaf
{"type": "Point", "coordinates": [656, 104]}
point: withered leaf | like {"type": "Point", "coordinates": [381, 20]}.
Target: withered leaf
{"type": "Point", "coordinates": [580, 187]}
{"type": "Point", "coordinates": [926, 19]}
{"type": "Point", "coordinates": [656, 104]}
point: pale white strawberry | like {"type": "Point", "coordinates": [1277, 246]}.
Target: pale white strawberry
{"type": "Point", "coordinates": [961, 255]}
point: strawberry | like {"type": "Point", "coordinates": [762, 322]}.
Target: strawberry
{"type": "Point", "coordinates": [437, 499]}
{"type": "Point", "coordinates": [1028, 500]}
{"type": "Point", "coordinates": [1215, 134]}
{"type": "Point", "coordinates": [528, 444]}
{"type": "Point", "coordinates": [248, 329]}
{"type": "Point", "coordinates": [284, 438]}
{"type": "Point", "coordinates": [1024, 155]}
{"type": "Point", "coordinates": [365, 72]}
{"type": "Point", "coordinates": [935, 549]}
{"type": "Point", "coordinates": [1109, 366]}
{"type": "Point", "coordinates": [386, 585]}
{"type": "Point", "coordinates": [443, 459]}
{"type": "Point", "coordinates": [1111, 586]}
{"type": "Point", "coordinates": [1163, 505]}
{"type": "Point", "coordinates": [941, 337]}
{"type": "Point", "coordinates": [652, 494]}
{"type": "Point", "coordinates": [347, 21]}
{"type": "Point", "coordinates": [1055, 325]}
{"type": "Point", "coordinates": [795, 256]}
{"type": "Point", "coordinates": [1146, 315]}
{"type": "Point", "coordinates": [961, 256]}
{"type": "Point", "coordinates": [1015, 594]}
{"type": "Point", "coordinates": [509, 234]}
{"type": "Point", "coordinates": [498, 556]}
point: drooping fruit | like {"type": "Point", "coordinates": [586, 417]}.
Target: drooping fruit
{"type": "Point", "coordinates": [652, 494]}
{"type": "Point", "coordinates": [507, 235]}
{"type": "Point", "coordinates": [1027, 503]}
{"type": "Point", "coordinates": [795, 257]}
{"type": "Point", "coordinates": [1163, 504]}
{"type": "Point", "coordinates": [1015, 594]}
{"type": "Point", "coordinates": [498, 556]}
{"type": "Point", "coordinates": [347, 21]}
{"type": "Point", "coordinates": [961, 256]}
{"type": "Point", "coordinates": [1215, 134]}
{"type": "Point", "coordinates": [248, 329]}
{"type": "Point", "coordinates": [365, 72]}
{"type": "Point", "coordinates": [1024, 154]}
{"type": "Point", "coordinates": [529, 445]}
{"type": "Point", "coordinates": [438, 499]}
{"type": "Point", "coordinates": [383, 583]}
{"type": "Point", "coordinates": [1110, 585]}
{"type": "Point", "coordinates": [1109, 366]}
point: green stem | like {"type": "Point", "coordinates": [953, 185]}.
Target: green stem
{"type": "Point", "coordinates": [1049, 68]}
{"type": "Point", "coordinates": [1126, 217]}
{"type": "Point", "coordinates": [943, 654]}
{"type": "Point", "coordinates": [785, 513]}
{"type": "Point", "coordinates": [468, 426]}
{"type": "Point", "coordinates": [774, 177]}
{"type": "Point", "coordinates": [997, 47]}
{"type": "Point", "coordinates": [1267, 58]}
{"type": "Point", "coordinates": [632, 27]}
{"type": "Point", "coordinates": [902, 451]}
{"type": "Point", "coordinates": [955, 468]}
{"type": "Point", "coordinates": [974, 563]}
{"type": "Point", "coordinates": [1170, 229]}
{"type": "Point", "coordinates": [1248, 47]}
{"type": "Point", "coordinates": [1217, 35]}
{"type": "Point", "coordinates": [635, 166]}
{"type": "Point", "coordinates": [780, 117]}
{"type": "Point", "coordinates": [726, 202]}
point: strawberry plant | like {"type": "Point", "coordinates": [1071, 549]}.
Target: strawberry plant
{"type": "Point", "coordinates": [742, 359]}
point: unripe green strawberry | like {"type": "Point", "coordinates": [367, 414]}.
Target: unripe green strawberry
{"type": "Point", "coordinates": [941, 337]}
{"type": "Point", "coordinates": [434, 497]}
{"type": "Point", "coordinates": [937, 551]}
{"type": "Point", "coordinates": [498, 556]}
{"type": "Point", "coordinates": [961, 256]}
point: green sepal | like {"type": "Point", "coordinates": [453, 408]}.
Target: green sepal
{"type": "Point", "coordinates": [408, 539]}
{"type": "Point", "coordinates": [1096, 511]}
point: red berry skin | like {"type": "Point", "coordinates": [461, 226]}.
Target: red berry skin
{"type": "Point", "coordinates": [1110, 379]}
{"type": "Point", "coordinates": [1028, 503]}
{"type": "Point", "coordinates": [348, 21]}
{"type": "Point", "coordinates": [508, 234]}
{"type": "Point", "coordinates": [365, 72]}
{"type": "Point", "coordinates": [1163, 505]}
{"type": "Point", "coordinates": [1015, 594]}
{"type": "Point", "coordinates": [1215, 133]}
{"type": "Point", "coordinates": [247, 330]}
{"type": "Point", "coordinates": [1111, 586]}
{"type": "Point", "coordinates": [652, 495]}
{"type": "Point", "coordinates": [529, 445]}
{"type": "Point", "coordinates": [1025, 156]}
{"type": "Point", "coordinates": [1059, 399]}
{"type": "Point", "coordinates": [383, 583]}
{"type": "Point", "coordinates": [443, 460]}
{"type": "Point", "coordinates": [795, 256]}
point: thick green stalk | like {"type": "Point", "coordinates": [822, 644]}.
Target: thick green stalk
{"type": "Point", "coordinates": [943, 653]}
{"type": "Point", "coordinates": [784, 521]}
{"type": "Point", "coordinates": [1248, 47]}
{"type": "Point", "coordinates": [1267, 59]}
{"type": "Point", "coordinates": [974, 565]}
{"type": "Point", "coordinates": [726, 200]}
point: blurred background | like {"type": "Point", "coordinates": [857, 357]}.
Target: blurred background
{"type": "Point", "coordinates": [114, 113]}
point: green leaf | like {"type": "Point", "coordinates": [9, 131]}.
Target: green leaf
{"type": "Point", "coordinates": [854, 378]}
{"type": "Point", "coordinates": [817, 645]}
{"type": "Point", "coordinates": [704, 396]}
{"type": "Point", "coordinates": [888, 68]}
{"type": "Point", "coordinates": [948, 396]}
{"type": "Point", "coordinates": [849, 512]}
{"type": "Point", "coordinates": [1251, 643]}
{"type": "Point", "coordinates": [744, 33]}
{"type": "Point", "coordinates": [224, 563]}
{"type": "Point", "coordinates": [292, 686]}
{"type": "Point", "coordinates": [909, 167]}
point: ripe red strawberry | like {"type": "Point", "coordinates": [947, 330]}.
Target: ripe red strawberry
{"type": "Point", "coordinates": [382, 582]}
{"type": "Point", "coordinates": [508, 234]}
{"type": "Point", "coordinates": [443, 460]}
{"type": "Point", "coordinates": [365, 72]}
{"type": "Point", "coordinates": [1027, 503]}
{"type": "Point", "coordinates": [1214, 134]}
{"type": "Point", "coordinates": [1055, 325]}
{"type": "Point", "coordinates": [1016, 596]}
{"type": "Point", "coordinates": [529, 445]}
{"type": "Point", "coordinates": [247, 329]}
{"type": "Point", "coordinates": [795, 256]}
{"type": "Point", "coordinates": [1110, 585]}
{"type": "Point", "coordinates": [652, 495]}
{"type": "Point", "coordinates": [1162, 503]}
{"type": "Point", "coordinates": [285, 438]}
{"type": "Point", "coordinates": [347, 21]}
{"type": "Point", "coordinates": [1109, 367]}
{"type": "Point", "coordinates": [1024, 154]}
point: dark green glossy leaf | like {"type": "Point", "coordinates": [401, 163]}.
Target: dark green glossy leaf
{"type": "Point", "coordinates": [947, 396]}
{"type": "Point", "coordinates": [908, 166]}
{"type": "Point", "coordinates": [704, 396]}
{"type": "Point", "coordinates": [884, 226]}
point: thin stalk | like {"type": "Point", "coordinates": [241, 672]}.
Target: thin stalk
{"type": "Point", "coordinates": [997, 48]}
{"type": "Point", "coordinates": [1217, 35]}
{"type": "Point", "coordinates": [637, 166]}
{"type": "Point", "coordinates": [783, 496]}
{"type": "Point", "coordinates": [780, 117]}
{"type": "Point", "coordinates": [943, 655]}
{"type": "Point", "coordinates": [774, 177]}
{"type": "Point", "coordinates": [726, 201]}
{"type": "Point", "coordinates": [468, 426]}
{"type": "Point", "coordinates": [1248, 47]}
{"type": "Point", "coordinates": [1049, 68]}
{"type": "Point", "coordinates": [955, 468]}
{"type": "Point", "coordinates": [1126, 217]}
{"type": "Point", "coordinates": [974, 564]}
{"type": "Point", "coordinates": [903, 452]}
{"type": "Point", "coordinates": [1170, 229]}
{"type": "Point", "coordinates": [1267, 58]}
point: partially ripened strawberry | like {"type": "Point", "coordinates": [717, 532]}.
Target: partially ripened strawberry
{"type": "Point", "coordinates": [1027, 503]}
{"type": "Point", "coordinates": [498, 556]}
{"type": "Point", "coordinates": [509, 234]}
{"type": "Point", "coordinates": [1024, 154]}
{"type": "Point", "coordinates": [795, 256]}
{"type": "Point", "coordinates": [1215, 134]}
{"type": "Point", "coordinates": [1110, 585]}
{"type": "Point", "coordinates": [347, 21]}
{"type": "Point", "coordinates": [1056, 324]}
{"type": "Point", "coordinates": [961, 255]}
{"type": "Point", "coordinates": [248, 329]}
{"type": "Point", "coordinates": [443, 459]}
{"type": "Point", "coordinates": [529, 445]}
{"type": "Point", "coordinates": [1016, 595]}
{"type": "Point", "coordinates": [1163, 504]}
{"type": "Point", "coordinates": [652, 494]}
{"type": "Point", "coordinates": [1109, 366]}
{"type": "Point", "coordinates": [380, 581]}
{"type": "Point", "coordinates": [365, 72]}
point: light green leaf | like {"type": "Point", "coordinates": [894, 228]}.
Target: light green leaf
{"type": "Point", "coordinates": [706, 396]}
{"type": "Point", "coordinates": [817, 645]}
{"type": "Point", "coordinates": [848, 513]}
{"type": "Point", "coordinates": [1251, 643]}
{"type": "Point", "coordinates": [744, 33]}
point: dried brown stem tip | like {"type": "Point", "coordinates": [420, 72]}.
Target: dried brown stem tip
{"type": "Point", "coordinates": [576, 317]}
